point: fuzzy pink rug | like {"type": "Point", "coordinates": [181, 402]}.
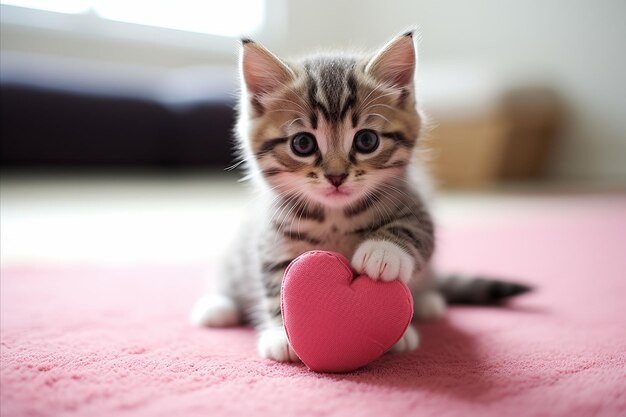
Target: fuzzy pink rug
{"type": "Point", "coordinates": [87, 341]}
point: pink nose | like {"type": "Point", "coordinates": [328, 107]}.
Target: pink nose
{"type": "Point", "coordinates": [336, 180]}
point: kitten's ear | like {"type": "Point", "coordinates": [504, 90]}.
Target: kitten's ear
{"type": "Point", "coordinates": [395, 63]}
{"type": "Point", "coordinates": [262, 71]}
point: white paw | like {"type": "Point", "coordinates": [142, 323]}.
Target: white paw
{"type": "Point", "coordinates": [429, 306]}
{"type": "Point", "coordinates": [383, 260]}
{"type": "Point", "coordinates": [215, 311]}
{"type": "Point", "coordinates": [409, 341]}
{"type": "Point", "coordinates": [273, 344]}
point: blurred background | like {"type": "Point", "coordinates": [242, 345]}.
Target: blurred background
{"type": "Point", "coordinates": [116, 116]}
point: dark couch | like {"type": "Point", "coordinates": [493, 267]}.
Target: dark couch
{"type": "Point", "coordinates": [63, 113]}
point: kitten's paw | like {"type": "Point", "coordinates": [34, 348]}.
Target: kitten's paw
{"type": "Point", "coordinates": [409, 341]}
{"type": "Point", "coordinates": [383, 260]}
{"type": "Point", "coordinates": [215, 310]}
{"type": "Point", "coordinates": [429, 306]}
{"type": "Point", "coordinates": [273, 344]}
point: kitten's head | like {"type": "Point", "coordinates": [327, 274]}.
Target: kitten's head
{"type": "Point", "coordinates": [329, 127]}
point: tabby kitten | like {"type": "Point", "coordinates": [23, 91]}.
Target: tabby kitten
{"type": "Point", "coordinates": [330, 144]}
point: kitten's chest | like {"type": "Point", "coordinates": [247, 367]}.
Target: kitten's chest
{"type": "Point", "coordinates": [337, 234]}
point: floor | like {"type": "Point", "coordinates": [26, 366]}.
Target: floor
{"type": "Point", "coordinates": [98, 276]}
{"type": "Point", "coordinates": [185, 218]}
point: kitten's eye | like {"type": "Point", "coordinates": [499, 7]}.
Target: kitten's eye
{"type": "Point", "coordinates": [303, 144]}
{"type": "Point", "coordinates": [365, 141]}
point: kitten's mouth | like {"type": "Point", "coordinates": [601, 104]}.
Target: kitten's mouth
{"type": "Point", "coordinates": [337, 196]}
{"type": "Point", "coordinates": [337, 192]}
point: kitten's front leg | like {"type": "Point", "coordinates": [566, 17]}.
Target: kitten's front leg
{"type": "Point", "coordinates": [408, 342]}
{"type": "Point", "coordinates": [273, 344]}
{"type": "Point", "coordinates": [397, 251]}
{"type": "Point", "coordinates": [384, 260]}
{"type": "Point", "coordinates": [272, 338]}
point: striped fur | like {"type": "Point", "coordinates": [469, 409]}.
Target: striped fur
{"type": "Point", "coordinates": [377, 216]}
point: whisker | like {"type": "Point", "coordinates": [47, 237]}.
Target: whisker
{"type": "Point", "coordinates": [291, 102]}
{"type": "Point", "coordinates": [380, 105]}
{"type": "Point", "coordinates": [236, 164]}
{"type": "Point", "coordinates": [287, 111]}
{"type": "Point", "coordinates": [378, 115]}
{"type": "Point", "coordinates": [364, 104]}
{"type": "Point", "coordinates": [291, 122]}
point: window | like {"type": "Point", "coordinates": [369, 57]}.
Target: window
{"type": "Point", "coordinates": [214, 17]}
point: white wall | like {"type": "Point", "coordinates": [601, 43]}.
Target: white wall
{"type": "Point", "coordinates": [577, 46]}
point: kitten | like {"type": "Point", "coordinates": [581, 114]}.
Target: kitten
{"type": "Point", "coordinates": [330, 142]}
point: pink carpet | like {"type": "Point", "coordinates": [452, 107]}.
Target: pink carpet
{"type": "Point", "coordinates": [81, 341]}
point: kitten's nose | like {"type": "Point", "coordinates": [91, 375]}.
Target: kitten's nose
{"type": "Point", "coordinates": [336, 180]}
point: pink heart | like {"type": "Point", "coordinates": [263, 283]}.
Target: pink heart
{"type": "Point", "coordinates": [338, 323]}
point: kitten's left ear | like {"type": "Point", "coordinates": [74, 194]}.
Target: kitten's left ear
{"type": "Point", "coordinates": [395, 63]}
{"type": "Point", "coordinates": [262, 71]}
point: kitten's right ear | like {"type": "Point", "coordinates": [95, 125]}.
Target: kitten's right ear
{"type": "Point", "coordinates": [262, 71]}
{"type": "Point", "coordinates": [395, 63]}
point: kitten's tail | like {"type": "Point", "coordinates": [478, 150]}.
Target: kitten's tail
{"type": "Point", "coordinates": [458, 289]}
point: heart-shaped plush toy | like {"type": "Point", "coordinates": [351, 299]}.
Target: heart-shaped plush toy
{"type": "Point", "coordinates": [336, 322]}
